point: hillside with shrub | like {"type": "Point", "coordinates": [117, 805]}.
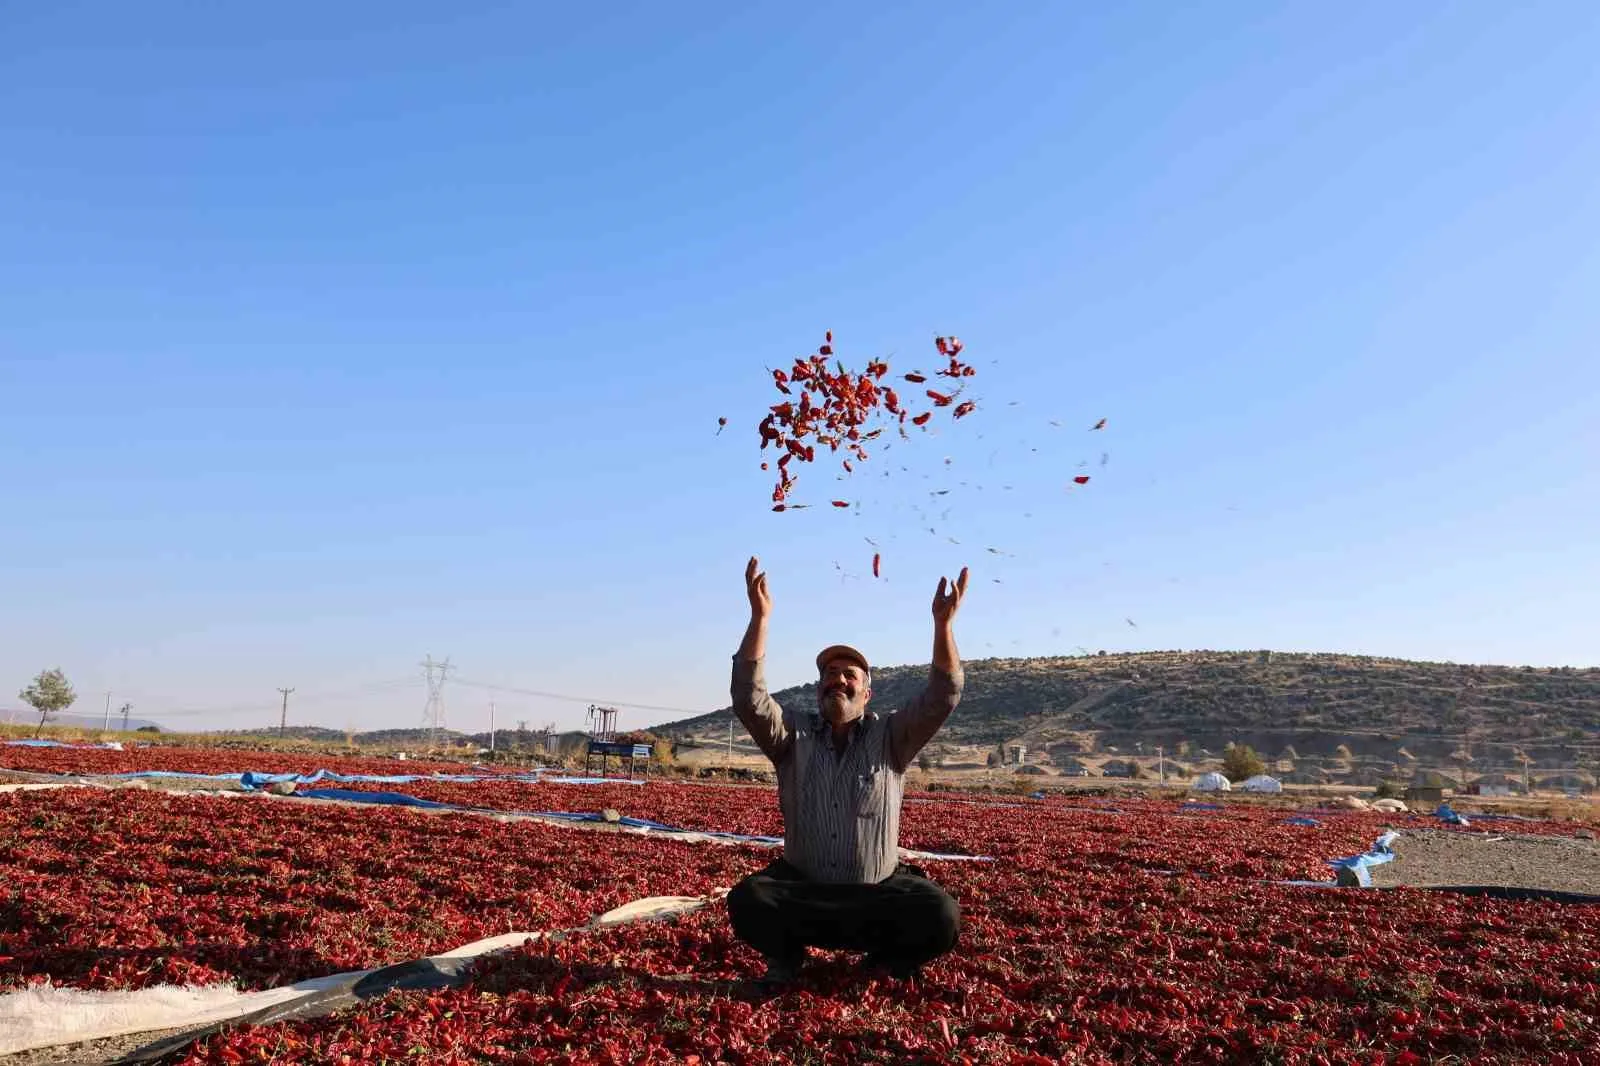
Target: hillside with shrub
{"type": "Point", "coordinates": [1301, 706]}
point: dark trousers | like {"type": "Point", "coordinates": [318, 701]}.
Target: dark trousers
{"type": "Point", "coordinates": [902, 921]}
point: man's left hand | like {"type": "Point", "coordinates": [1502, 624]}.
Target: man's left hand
{"type": "Point", "coordinates": [946, 603]}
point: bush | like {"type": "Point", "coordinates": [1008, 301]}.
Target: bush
{"type": "Point", "coordinates": [1389, 790]}
{"type": "Point", "coordinates": [1242, 763]}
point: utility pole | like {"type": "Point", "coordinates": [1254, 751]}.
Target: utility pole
{"type": "Point", "coordinates": [283, 717]}
{"type": "Point", "coordinates": [107, 726]}
{"type": "Point", "coordinates": [1161, 764]}
{"type": "Point", "coordinates": [730, 748]}
{"type": "Point", "coordinates": [491, 727]}
{"type": "Point", "coordinates": [126, 707]}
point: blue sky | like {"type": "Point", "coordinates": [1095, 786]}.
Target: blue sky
{"type": "Point", "coordinates": [338, 336]}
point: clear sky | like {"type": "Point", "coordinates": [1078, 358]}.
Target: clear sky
{"type": "Point", "coordinates": [335, 335]}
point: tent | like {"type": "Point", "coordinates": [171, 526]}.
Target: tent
{"type": "Point", "coordinates": [1262, 783]}
{"type": "Point", "coordinates": [1212, 782]}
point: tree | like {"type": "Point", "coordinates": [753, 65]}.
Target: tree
{"type": "Point", "coordinates": [50, 694]}
{"type": "Point", "coordinates": [1241, 763]}
{"type": "Point", "coordinates": [662, 751]}
{"type": "Point", "coordinates": [924, 762]}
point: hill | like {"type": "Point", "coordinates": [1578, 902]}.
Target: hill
{"type": "Point", "coordinates": [1309, 706]}
{"type": "Point", "coordinates": [27, 716]}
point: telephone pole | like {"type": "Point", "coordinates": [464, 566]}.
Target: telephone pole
{"type": "Point", "coordinates": [491, 727]}
{"type": "Point", "coordinates": [283, 717]}
{"type": "Point", "coordinates": [126, 707]}
{"type": "Point", "coordinates": [107, 726]}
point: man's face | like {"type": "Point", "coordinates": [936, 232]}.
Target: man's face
{"type": "Point", "coordinates": [843, 692]}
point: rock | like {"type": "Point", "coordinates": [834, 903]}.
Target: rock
{"type": "Point", "coordinates": [1391, 806]}
{"type": "Point", "coordinates": [1585, 834]}
{"type": "Point", "coordinates": [611, 814]}
{"type": "Point", "coordinates": [281, 788]}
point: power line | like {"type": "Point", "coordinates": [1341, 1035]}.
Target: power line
{"type": "Point", "coordinates": [578, 699]}
{"type": "Point", "coordinates": [263, 707]}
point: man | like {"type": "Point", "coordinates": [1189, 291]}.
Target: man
{"type": "Point", "coordinates": [841, 774]}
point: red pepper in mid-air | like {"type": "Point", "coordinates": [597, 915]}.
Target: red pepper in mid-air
{"type": "Point", "coordinates": [836, 408]}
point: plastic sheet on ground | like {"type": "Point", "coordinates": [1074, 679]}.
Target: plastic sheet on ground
{"type": "Point", "coordinates": [644, 825]}
{"type": "Point", "coordinates": [387, 799]}
{"type": "Point", "coordinates": [1301, 820]}
{"type": "Point", "coordinates": [1447, 815]}
{"type": "Point", "coordinates": [46, 1016]}
{"type": "Point", "coordinates": [1357, 869]}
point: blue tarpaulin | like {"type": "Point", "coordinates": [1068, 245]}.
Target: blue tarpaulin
{"type": "Point", "coordinates": [1301, 819]}
{"type": "Point", "coordinates": [387, 799]}
{"type": "Point", "coordinates": [1357, 869]}
{"type": "Point", "coordinates": [1447, 815]}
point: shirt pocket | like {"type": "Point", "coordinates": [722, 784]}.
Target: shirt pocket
{"type": "Point", "coordinates": [868, 796]}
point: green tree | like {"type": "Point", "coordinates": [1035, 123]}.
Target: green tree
{"type": "Point", "coordinates": [1241, 763]}
{"type": "Point", "coordinates": [50, 694]}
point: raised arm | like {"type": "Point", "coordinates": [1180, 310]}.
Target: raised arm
{"type": "Point", "coordinates": [915, 724]}
{"type": "Point", "coordinates": [752, 704]}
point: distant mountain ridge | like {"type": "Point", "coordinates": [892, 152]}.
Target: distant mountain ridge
{"type": "Point", "coordinates": [22, 716]}
{"type": "Point", "coordinates": [1319, 705]}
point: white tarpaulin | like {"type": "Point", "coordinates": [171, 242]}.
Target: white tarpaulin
{"type": "Point", "coordinates": [48, 1016]}
{"type": "Point", "coordinates": [1212, 782]}
{"type": "Point", "coordinates": [1262, 783]}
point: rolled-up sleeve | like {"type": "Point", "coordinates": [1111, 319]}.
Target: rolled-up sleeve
{"type": "Point", "coordinates": [756, 708]}
{"type": "Point", "coordinates": [914, 725]}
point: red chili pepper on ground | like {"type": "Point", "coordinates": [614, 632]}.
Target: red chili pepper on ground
{"type": "Point", "coordinates": [916, 379]}
{"type": "Point", "coordinates": [964, 409]}
{"type": "Point", "coordinates": [1081, 479]}
{"type": "Point", "coordinates": [876, 558]}
{"type": "Point", "coordinates": [841, 503]}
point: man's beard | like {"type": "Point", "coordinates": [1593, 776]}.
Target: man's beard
{"type": "Point", "coordinates": [838, 707]}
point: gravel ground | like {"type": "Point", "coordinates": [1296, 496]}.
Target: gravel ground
{"type": "Point", "coordinates": [1443, 857]}
{"type": "Point", "coordinates": [91, 1053]}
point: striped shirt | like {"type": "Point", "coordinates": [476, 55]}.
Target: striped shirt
{"type": "Point", "coordinates": [841, 809]}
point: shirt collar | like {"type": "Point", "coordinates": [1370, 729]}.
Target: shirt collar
{"type": "Point", "coordinates": [820, 726]}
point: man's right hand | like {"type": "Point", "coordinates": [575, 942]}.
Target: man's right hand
{"type": "Point", "coordinates": [755, 584]}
